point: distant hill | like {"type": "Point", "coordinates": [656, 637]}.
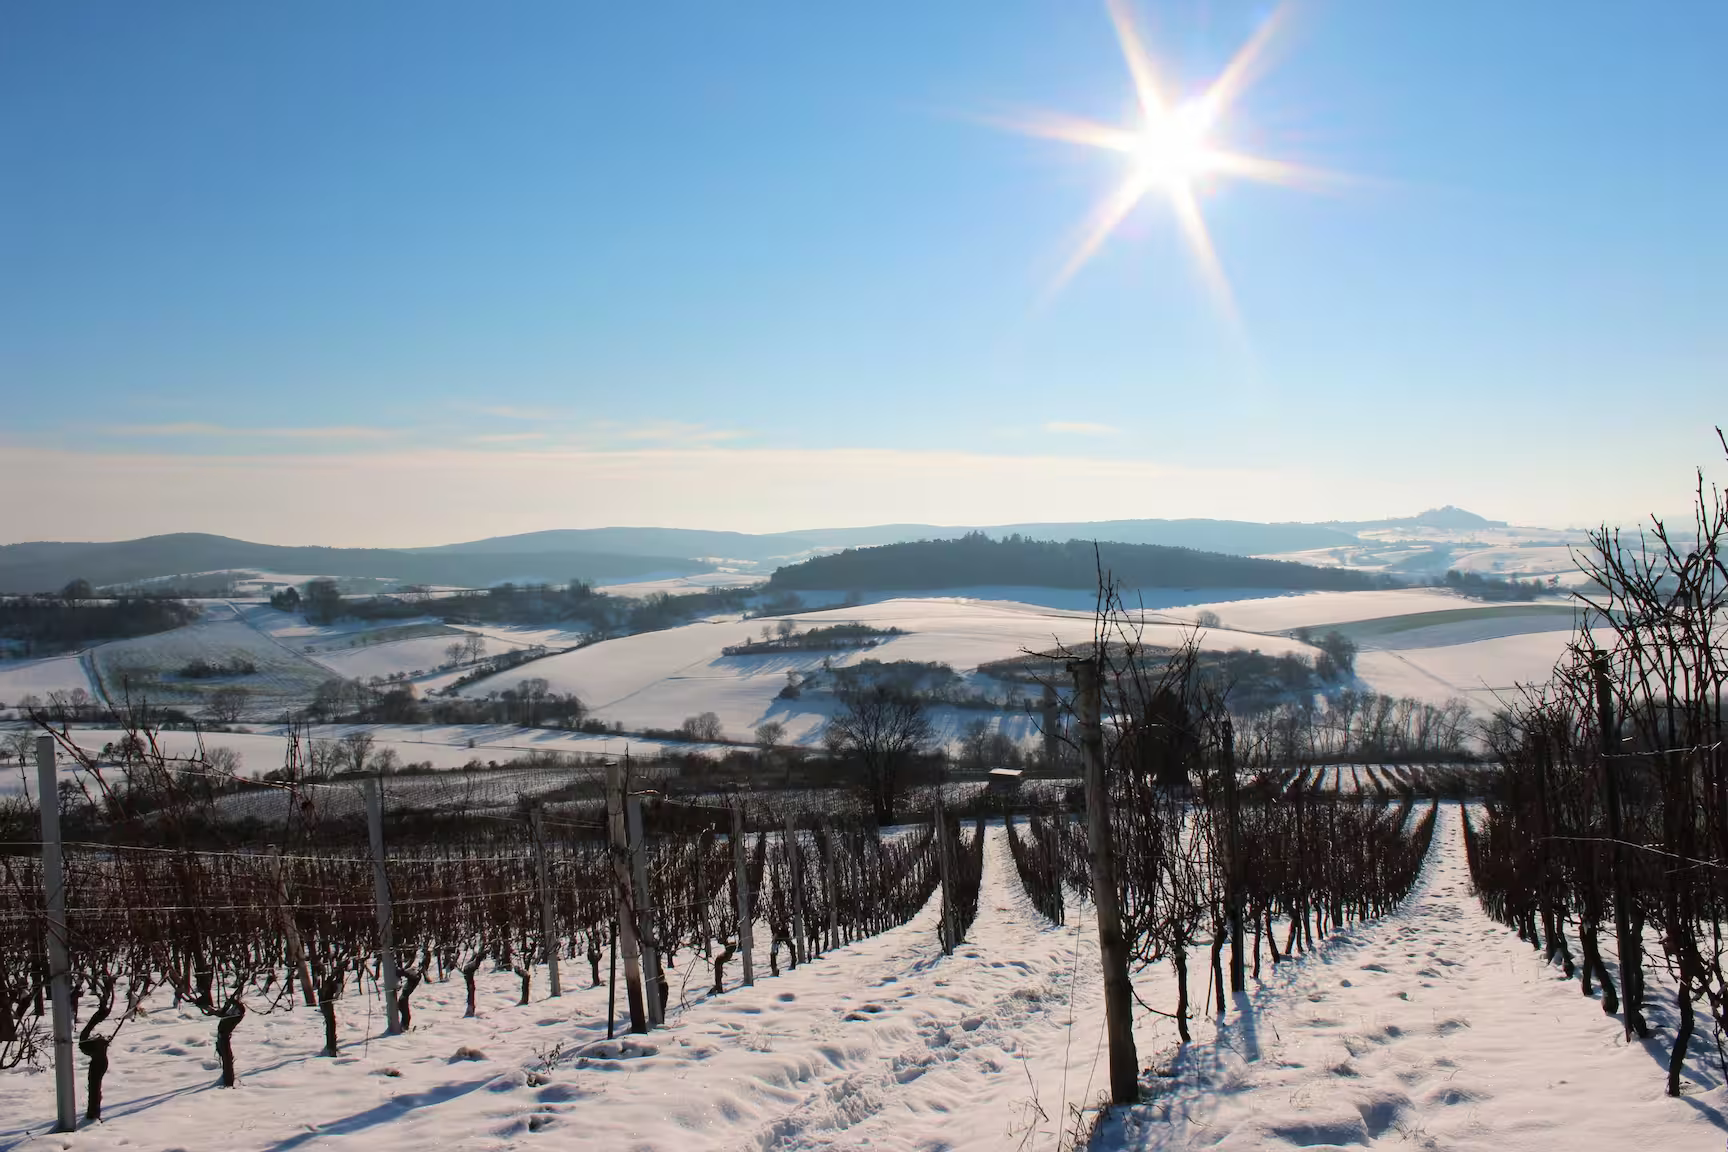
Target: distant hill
{"type": "Point", "coordinates": [1448, 517]}
{"type": "Point", "coordinates": [1241, 537]}
{"type": "Point", "coordinates": [976, 560]}
{"type": "Point", "coordinates": [673, 543]}
{"type": "Point", "coordinates": [623, 553]}
{"type": "Point", "coordinates": [48, 566]}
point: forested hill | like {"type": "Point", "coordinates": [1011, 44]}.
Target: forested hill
{"type": "Point", "coordinates": [976, 560]}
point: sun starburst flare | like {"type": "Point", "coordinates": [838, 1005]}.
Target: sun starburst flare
{"type": "Point", "coordinates": [1173, 149]}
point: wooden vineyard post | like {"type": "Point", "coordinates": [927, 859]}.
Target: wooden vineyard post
{"type": "Point", "coordinates": [741, 886]}
{"type": "Point", "coordinates": [1112, 948]}
{"type": "Point", "coordinates": [1233, 860]}
{"type": "Point", "coordinates": [626, 928]}
{"type": "Point", "coordinates": [291, 933]}
{"type": "Point", "coordinates": [800, 942]}
{"type": "Point", "coordinates": [612, 983]}
{"type": "Point", "coordinates": [59, 955]}
{"type": "Point", "coordinates": [1050, 719]}
{"type": "Point", "coordinates": [944, 869]}
{"type": "Point", "coordinates": [644, 909]}
{"type": "Point", "coordinates": [381, 901]}
{"type": "Point", "coordinates": [1626, 943]}
{"type": "Point", "coordinates": [548, 923]}
{"type": "Point", "coordinates": [833, 886]}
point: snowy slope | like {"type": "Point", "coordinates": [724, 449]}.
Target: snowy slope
{"type": "Point", "coordinates": [1485, 672]}
{"type": "Point", "coordinates": [656, 679]}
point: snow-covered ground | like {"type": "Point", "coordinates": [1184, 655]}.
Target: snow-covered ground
{"type": "Point", "coordinates": [444, 746]}
{"type": "Point", "coordinates": [1485, 672]}
{"type": "Point", "coordinates": [681, 585]}
{"type": "Point", "coordinates": [150, 665]}
{"type": "Point", "coordinates": [40, 676]}
{"type": "Point", "coordinates": [1428, 551]}
{"type": "Point", "coordinates": [1319, 610]}
{"type": "Point", "coordinates": [657, 679]}
{"type": "Point", "coordinates": [1433, 1028]}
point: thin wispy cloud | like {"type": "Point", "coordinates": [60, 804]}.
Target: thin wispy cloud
{"type": "Point", "coordinates": [510, 438]}
{"type": "Point", "coordinates": [1081, 428]}
{"type": "Point", "coordinates": [513, 412]}
{"type": "Point", "coordinates": [678, 433]}
{"type": "Point", "coordinates": [202, 430]}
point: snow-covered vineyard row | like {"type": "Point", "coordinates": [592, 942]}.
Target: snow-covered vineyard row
{"type": "Point", "coordinates": [1432, 1026]}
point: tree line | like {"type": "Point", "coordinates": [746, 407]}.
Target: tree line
{"type": "Point", "coordinates": [976, 560]}
{"type": "Point", "coordinates": [43, 625]}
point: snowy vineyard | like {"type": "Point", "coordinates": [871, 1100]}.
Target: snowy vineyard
{"type": "Point", "coordinates": [167, 897]}
{"type": "Point", "coordinates": [239, 932]}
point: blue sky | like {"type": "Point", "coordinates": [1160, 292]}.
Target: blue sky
{"type": "Point", "coordinates": [767, 266]}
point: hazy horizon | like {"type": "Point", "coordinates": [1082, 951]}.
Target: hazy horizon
{"type": "Point", "coordinates": [312, 500]}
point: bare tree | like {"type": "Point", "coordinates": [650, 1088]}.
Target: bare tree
{"type": "Point", "coordinates": [356, 748]}
{"type": "Point", "coordinates": [704, 728]}
{"type": "Point", "coordinates": [228, 702]}
{"type": "Point", "coordinates": [880, 729]}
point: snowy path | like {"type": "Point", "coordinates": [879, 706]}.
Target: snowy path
{"type": "Point", "coordinates": [1434, 1027]}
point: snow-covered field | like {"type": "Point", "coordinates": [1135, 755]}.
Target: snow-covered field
{"type": "Point", "coordinates": [444, 746]}
{"type": "Point", "coordinates": [657, 679]}
{"type": "Point", "coordinates": [1485, 672]}
{"type": "Point", "coordinates": [40, 676]}
{"type": "Point", "coordinates": [1428, 643]}
{"type": "Point", "coordinates": [680, 585]}
{"type": "Point", "coordinates": [1321, 610]}
{"type": "Point", "coordinates": [150, 665]}
{"type": "Point", "coordinates": [1428, 551]}
{"type": "Point", "coordinates": [1433, 1028]}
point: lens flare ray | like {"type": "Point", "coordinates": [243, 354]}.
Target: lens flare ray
{"type": "Point", "coordinates": [1172, 150]}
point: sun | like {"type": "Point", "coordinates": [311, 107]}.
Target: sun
{"type": "Point", "coordinates": [1173, 149]}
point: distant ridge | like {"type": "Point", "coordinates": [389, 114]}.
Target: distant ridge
{"type": "Point", "coordinates": [619, 554]}
{"type": "Point", "coordinates": [47, 566]}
